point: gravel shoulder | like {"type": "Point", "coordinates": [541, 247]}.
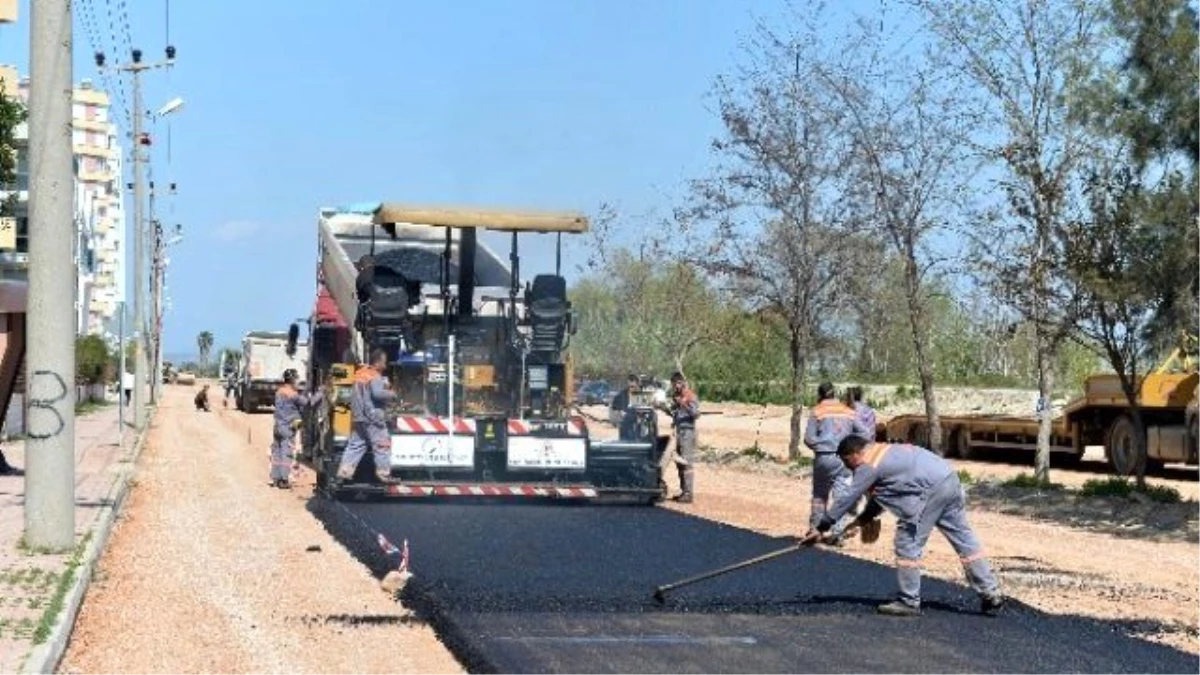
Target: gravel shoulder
{"type": "Point", "coordinates": [209, 570]}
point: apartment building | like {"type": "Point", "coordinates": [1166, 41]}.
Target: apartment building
{"type": "Point", "coordinates": [99, 209]}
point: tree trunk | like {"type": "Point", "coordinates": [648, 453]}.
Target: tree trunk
{"type": "Point", "coordinates": [799, 370]}
{"type": "Point", "coordinates": [916, 322]}
{"type": "Point", "coordinates": [1045, 363]}
{"type": "Point", "coordinates": [1139, 443]}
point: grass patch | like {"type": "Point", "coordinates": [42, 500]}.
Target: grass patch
{"type": "Point", "coordinates": [755, 452]}
{"type": "Point", "coordinates": [1025, 481]}
{"type": "Point", "coordinates": [965, 477]}
{"type": "Point", "coordinates": [1114, 486]}
{"type": "Point", "coordinates": [802, 462]}
{"type": "Point", "coordinates": [88, 407]}
{"type": "Point", "coordinates": [57, 601]}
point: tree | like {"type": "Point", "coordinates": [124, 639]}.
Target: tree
{"type": "Point", "coordinates": [639, 315]}
{"type": "Point", "coordinates": [907, 139]}
{"type": "Point", "coordinates": [1029, 60]}
{"type": "Point", "coordinates": [1110, 257]}
{"type": "Point", "coordinates": [1150, 99]}
{"type": "Point", "coordinates": [779, 235]}
{"type": "Point", "coordinates": [93, 363]}
{"type": "Point", "coordinates": [12, 114]}
{"type": "Point", "coordinates": [204, 341]}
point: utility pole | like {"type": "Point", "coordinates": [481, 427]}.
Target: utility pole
{"type": "Point", "coordinates": [140, 365]}
{"type": "Point", "coordinates": [50, 359]}
{"type": "Point", "coordinates": [121, 379]}
{"type": "Point", "coordinates": [153, 332]}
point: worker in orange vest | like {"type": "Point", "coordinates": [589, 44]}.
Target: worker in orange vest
{"type": "Point", "coordinates": [829, 422]}
{"type": "Point", "coordinates": [290, 406]}
{"type": "Point", "coordinates": [368, 420]}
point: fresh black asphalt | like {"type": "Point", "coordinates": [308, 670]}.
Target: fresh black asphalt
{"type": "Point", "coordinates": [568, 588]}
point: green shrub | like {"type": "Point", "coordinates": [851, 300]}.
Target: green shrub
{"type": "Point", "coordinates": [1116, 486]}
{"type": "Point", "coordinates": [965, 477]}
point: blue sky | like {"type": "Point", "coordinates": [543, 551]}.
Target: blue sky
{"type": "Point", "coordinates": [296, 105]}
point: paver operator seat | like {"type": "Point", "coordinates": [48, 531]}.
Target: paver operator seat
{"type": "Point", "coordinates": [548, 313]}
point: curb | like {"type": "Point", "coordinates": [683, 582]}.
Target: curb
{"type": "Point", "coordinates": [45, 658]}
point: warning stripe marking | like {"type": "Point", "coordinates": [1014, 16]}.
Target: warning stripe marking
{"type": "Point", "coordinates": [489, 491]}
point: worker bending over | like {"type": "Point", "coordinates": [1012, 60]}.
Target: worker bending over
{"type": "Point", "coordinates": [368, 420]}
{"type": "Point", "coordinates": [684, 410]}
{"type": "Point", "coordinates": [290, 404]}
{"type": "Point", "coordinates": [829, 422]}
{"type": "Point", "coordinates": [923, 491]}
{"type": "Point", "coordinates": [201, 399]}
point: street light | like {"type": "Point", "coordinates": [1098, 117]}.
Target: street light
{"type": "Point", "coordinates": [171, 106]}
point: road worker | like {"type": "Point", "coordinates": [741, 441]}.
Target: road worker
{"type": "Point", "coordinates": [368, 420]}
{"type": "Point", "coordinates": [829, 422]}
{"type": "Point", "coordinates": [864, 412]}
{"type": "Point", "coordinates": [684, 409]}
{"type": "Point", "coordinates": [229, 380]}
{"type": "Point", "coordinates": [923, 491]}
{"type": "Point", "coordinates": [201, 399]}
{"type": "Point", "coordinates": [290, 405]}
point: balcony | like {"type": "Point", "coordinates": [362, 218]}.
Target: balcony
{"type": "Point", "coordinates": [92, 151]}
{"type": "Point", "coordinates": [80, 124]}
{"type": "Point", "coordinates": [104, 176]}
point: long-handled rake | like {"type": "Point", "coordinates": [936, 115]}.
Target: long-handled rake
{"type": "Point", "coordinates": [660, 592]}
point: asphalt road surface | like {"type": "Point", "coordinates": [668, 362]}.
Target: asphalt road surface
{"type": "Point", "coordinates": [549, 588]}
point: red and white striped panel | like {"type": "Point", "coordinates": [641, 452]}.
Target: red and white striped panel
{"type": "Point", "coordinates": [575, 427]}
{"type": "Point", "coordinates": [412, 424]}
{"type": "Point", "coordinates": [488, 491]}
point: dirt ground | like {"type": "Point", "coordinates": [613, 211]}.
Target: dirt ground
{"type": "Point", "coordinates": [209, 570]}
{"type": "Point", "coordinates": [1135, 564]}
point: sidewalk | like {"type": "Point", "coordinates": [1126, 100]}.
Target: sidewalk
{"type": "Point", "coordinates": [34, 587]}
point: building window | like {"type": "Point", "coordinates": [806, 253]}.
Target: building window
{"type": "Point", "coordinates": [23, 235]}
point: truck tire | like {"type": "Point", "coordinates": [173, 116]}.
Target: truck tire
{"type": "Point", "coordinates": [1120, 448]}
{"type": "Point", "coordinates": [1194, 439]}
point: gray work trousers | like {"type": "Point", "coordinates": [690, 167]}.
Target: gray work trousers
{"type": "Point", "coordinates": [362, 436]}
{"type": "Point", "coordinates": [830, 482]}
{"type": "Point", "coordinates": [683, 456]}
{"type": "Point", "coordinates": [946, 509]}
{"type": "Point", "coordinates": [281, 457]}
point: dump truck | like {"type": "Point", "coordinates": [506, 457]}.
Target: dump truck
{"type": "Point", "coordinates": [265, 355]}
{"type": "Point", "coordinates": [480, 362]}
{"type": "Point", "coordinates": [1100, 416]}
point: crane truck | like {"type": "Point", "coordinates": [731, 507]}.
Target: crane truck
{"type": "Point", "coordinates": [480, 362]}
{"type": "Point", "coordinates": [1100, 416]}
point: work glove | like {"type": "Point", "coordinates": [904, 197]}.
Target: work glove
{"type": "Point", "coordinates": [810, 538]}
{"type": "Point", "coordinates": [296, 424]}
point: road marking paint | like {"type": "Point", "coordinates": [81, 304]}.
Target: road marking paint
{"type": "Point", "coordinates": [636, 639]}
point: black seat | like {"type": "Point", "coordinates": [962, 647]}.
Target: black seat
{"type": "Point", "coordinates": [548, 308]}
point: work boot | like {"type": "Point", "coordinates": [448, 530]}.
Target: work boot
{"type": "Point", "coordinates": [991, 604]}
{"type": "Point", "coordinates": [686, 478]}
{"type": "Point", "coordinates": [898, 608]}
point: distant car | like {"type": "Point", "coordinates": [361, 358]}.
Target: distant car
{"type": "Point", "coordinates": [595, 393]}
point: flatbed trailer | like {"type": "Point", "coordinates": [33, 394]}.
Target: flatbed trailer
{"type": "Point", "coordinates": [1101, 416]}
{"type": "Point", "coordinates": [480, 364]}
